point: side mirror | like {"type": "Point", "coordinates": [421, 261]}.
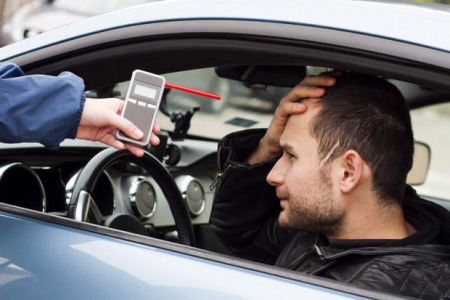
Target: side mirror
{"type": "Point", "coordinates": [421, 164]}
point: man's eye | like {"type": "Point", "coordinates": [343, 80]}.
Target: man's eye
{"type": "Point", "coordinates": [290, 156]}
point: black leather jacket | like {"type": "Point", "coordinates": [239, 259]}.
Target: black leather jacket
{"type": "Point", "coordinates": [245, 217]}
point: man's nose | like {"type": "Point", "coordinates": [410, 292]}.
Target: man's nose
{"type": "Point", "coordinates": [277, 175]}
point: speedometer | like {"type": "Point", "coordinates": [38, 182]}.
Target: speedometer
{"type": "Point", "coordinates": [143, 196]}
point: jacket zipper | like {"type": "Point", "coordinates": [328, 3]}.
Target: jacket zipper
{"type": "Point", "coordinates": [323, 267]}
{"type": "Point", "coordinates": [319, 252]}
{"type": "Point", "coordinates": [322, 258]}
{"type": "Point", "coordinates": [219, 174]}
{"type": "Point", "coordinates": [218, 178]}
{"type": "Point", "coordinates": [304, 255]}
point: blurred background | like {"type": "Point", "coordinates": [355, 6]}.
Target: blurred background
{"type": "Point", "coordinates": [21, 19]}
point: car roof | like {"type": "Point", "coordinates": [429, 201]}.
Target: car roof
{"type": "Point", "coordinates": [415, 23]}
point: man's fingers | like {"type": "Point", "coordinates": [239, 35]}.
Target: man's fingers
{"type": "Point", "coordinates": [297, 108]}
{"type": "Point", "coordinates": [302, 92]}
{"type": "Point", "coordinates": [154, 140]}
{"type": "Point", "coordinates": [290, 108]}
{"type": "Point", "coordinates": [126, 126]}
{"type": "Point", "coordinates": [319, 80]}
{"type": "Point", "coordinates": [110, 140]}
{"type": "Point", "coordinates": [117, 144]}
{"type": "Point", "coordinates": [310, 87]}
{"type": "Point", "coordinates": [139, 152]}
{"type": "Point", "coordinates": [334, 73]}
{"type": "Point", "coordinates": [156, 128]}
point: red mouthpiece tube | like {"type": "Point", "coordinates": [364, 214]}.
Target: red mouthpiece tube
{"type": "Point", "coordinates": [192, 91]}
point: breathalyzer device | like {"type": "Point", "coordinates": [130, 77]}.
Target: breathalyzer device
{"type": "Point", "coordinates": [142, 103]}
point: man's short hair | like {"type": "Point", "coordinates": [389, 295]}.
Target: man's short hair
{"type": "Point", "coordinates": [369, 115]}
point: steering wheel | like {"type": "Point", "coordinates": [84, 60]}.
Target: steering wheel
{"type": "Point", "coordinates": [83, 208]}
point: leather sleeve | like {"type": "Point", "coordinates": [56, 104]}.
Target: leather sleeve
{"type": "Point", "coordinates": [246, 208]}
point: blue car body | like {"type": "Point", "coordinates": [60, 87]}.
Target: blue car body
{"type": "Point", "coordinates": [57, 261]}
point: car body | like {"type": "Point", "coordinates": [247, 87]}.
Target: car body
{"type": "Point", "coordinates": [44, 254]}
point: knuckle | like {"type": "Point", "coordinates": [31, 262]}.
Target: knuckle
{"type": "Point", "coordinates": [307, 79]}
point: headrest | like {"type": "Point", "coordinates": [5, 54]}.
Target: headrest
{"type": "Point", "coordinates": [419, 170]}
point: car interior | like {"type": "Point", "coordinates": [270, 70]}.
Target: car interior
{"type": "Point", "coordinates": [169, 194]}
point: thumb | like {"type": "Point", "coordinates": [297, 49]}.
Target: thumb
{"type": "Point", "coordinates": [126, 126]}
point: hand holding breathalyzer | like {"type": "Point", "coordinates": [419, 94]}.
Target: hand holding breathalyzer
{"type": "Point", "coordinates": [100, 120]}
{"type": "Point", "coordinates": [133, 121]}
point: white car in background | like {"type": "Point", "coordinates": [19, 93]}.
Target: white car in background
{"type": "Point", "coordinates": [42, 15]}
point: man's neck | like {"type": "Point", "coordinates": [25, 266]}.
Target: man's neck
{"type": "Point", "coordinates": [374, 223]}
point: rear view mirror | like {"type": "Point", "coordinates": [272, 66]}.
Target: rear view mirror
{"type": "Point", "coordinates": [421, 163]}
{"type": "Point", "coordinates": [265, 75]}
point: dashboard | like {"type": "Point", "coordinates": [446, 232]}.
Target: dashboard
{"type": "Point", "coordinates": [35, 178]}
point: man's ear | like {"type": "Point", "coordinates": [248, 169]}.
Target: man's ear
{"type": "Point", "coordinates": [350, 170]}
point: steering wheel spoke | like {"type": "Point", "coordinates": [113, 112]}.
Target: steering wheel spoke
{"type": "Point", "coordinates": [94, 215]}
{"type": "Point", "coordinates": [86, 209]}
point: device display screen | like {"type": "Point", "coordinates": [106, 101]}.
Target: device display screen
{"type": "Point", "coordinates": [144, 91]}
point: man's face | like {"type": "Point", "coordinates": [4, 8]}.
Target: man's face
{"type": "Point", "coordinates": [303, 184]}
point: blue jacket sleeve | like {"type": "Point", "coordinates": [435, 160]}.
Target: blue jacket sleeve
{"type": "Point", "coordinates": [39, 108]}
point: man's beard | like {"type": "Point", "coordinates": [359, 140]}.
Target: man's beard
{"type": "Point", "coordinates": [314, 209]}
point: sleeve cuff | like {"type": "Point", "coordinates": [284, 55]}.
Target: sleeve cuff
{"type": "Point", "coordinates": [73, 132]}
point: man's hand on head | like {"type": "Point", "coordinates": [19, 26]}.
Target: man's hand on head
{"type": "Point", "coordinates": [269, 145]}
{"type": "Point", "coordinates": [100, 120]}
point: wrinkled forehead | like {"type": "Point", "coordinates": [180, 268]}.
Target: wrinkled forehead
{"type": "Point", "coordinates": [303, 120]}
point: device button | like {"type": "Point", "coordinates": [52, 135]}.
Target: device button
{"type": "Point", "coordinates": [142, 103]}
{"type": "Point", "coordinates": [132, 101]}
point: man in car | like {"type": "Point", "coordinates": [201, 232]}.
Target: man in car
{"type": "Point", "coordinates": [323, 191]}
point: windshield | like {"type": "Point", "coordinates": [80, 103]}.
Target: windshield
{"type": "Point", "coordinates": [239, 108]}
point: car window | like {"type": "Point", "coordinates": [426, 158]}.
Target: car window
{"type": "Point", "coordinates": [242, 108]}
{"type": "Point", "coordinates": [430, 125]}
